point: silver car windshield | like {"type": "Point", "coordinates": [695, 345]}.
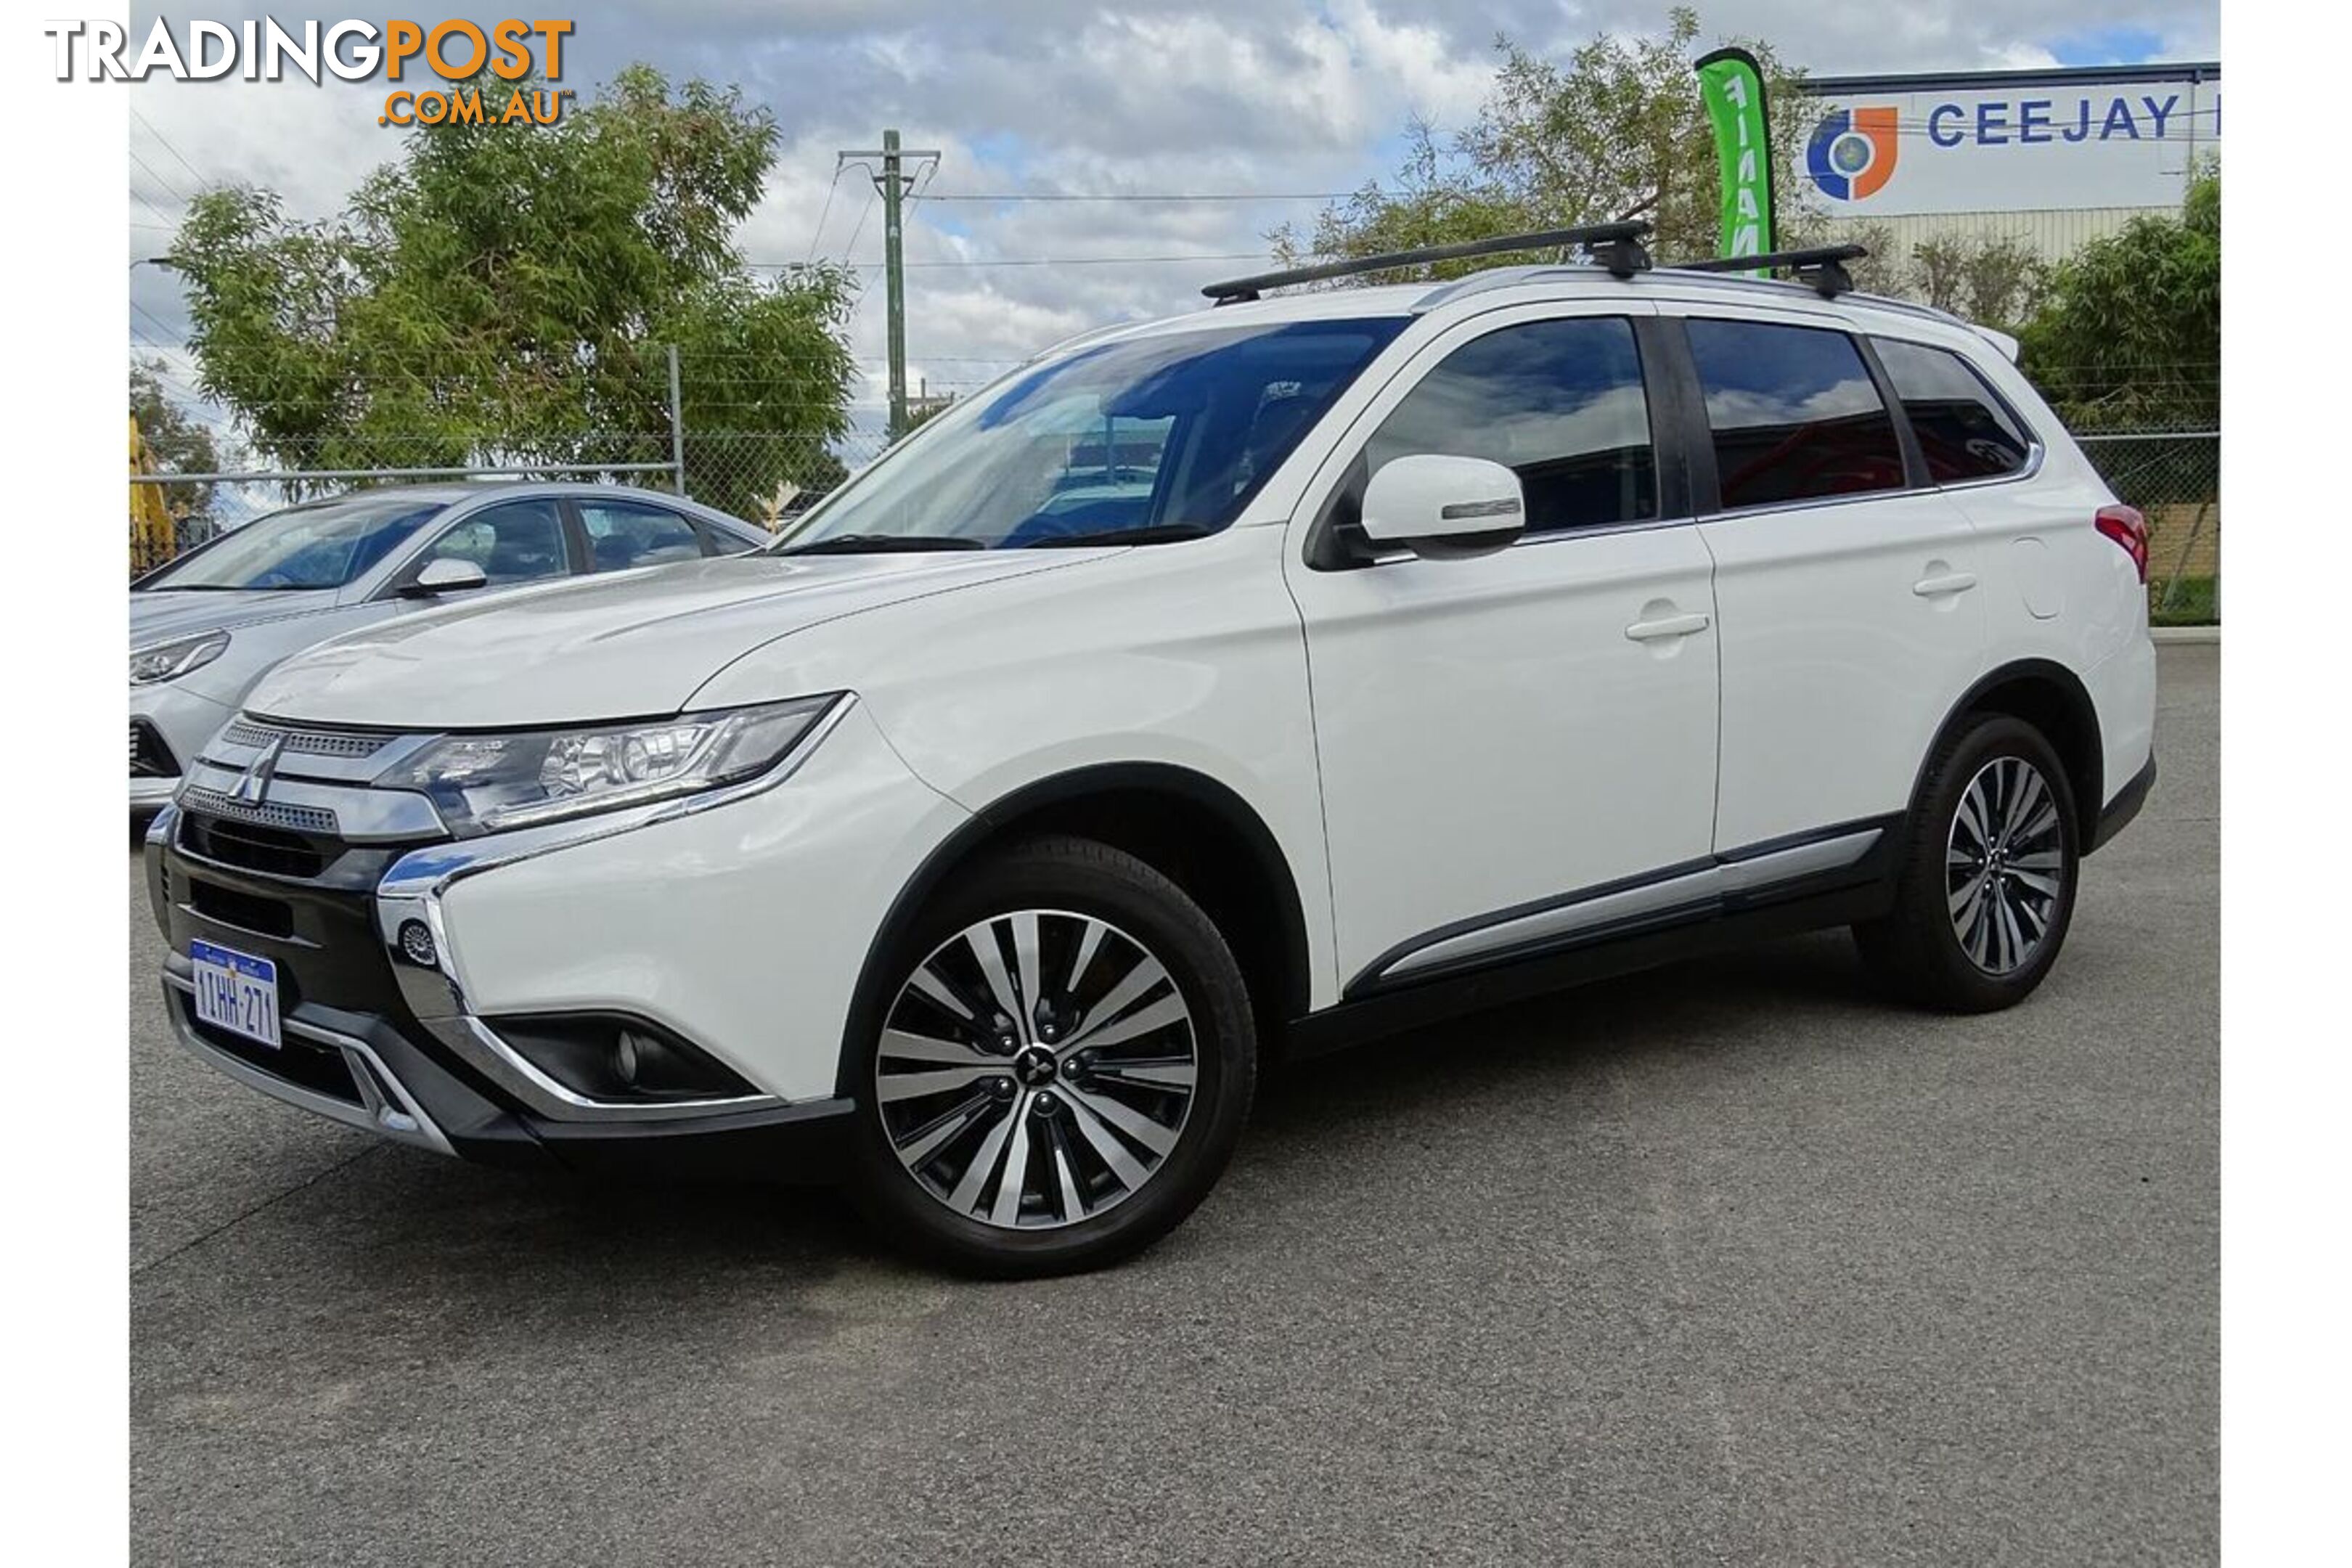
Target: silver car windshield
{"type": "Point", "coordinates": [1155, 438]}
{"type": "Point", "coordinates": [323, 544]}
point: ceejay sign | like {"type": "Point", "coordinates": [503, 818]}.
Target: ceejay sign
{"type": "Point", "coordinates": [2009, 141]}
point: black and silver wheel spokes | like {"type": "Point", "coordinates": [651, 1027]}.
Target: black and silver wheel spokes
{"type": "Point", "coordinates": [1037, 1068]}
{"type": "Point", "coordinates": [2005, 865]}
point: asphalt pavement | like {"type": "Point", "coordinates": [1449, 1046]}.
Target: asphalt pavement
{"type": "Point", "coordinates": [1730, 1262]}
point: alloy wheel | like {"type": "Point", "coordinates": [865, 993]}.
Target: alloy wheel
{"type": "Point", "coordinates": [2005, 865]}
{"type": "Point", "coordinates": [1036, 1069]}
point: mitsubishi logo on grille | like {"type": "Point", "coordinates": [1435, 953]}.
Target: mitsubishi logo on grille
{"type": "Point", "coordinates": [253, 784]}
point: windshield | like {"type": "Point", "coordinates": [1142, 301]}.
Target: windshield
{"type": "Point", "coordinates": [1161, 436]}
{"type": "Point", "coordinates": [324, 544]}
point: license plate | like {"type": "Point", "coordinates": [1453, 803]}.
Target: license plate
{"type": "Point", "coordinates": [237, 991]}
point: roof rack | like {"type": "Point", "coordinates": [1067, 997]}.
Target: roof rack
{"type": "Point", "coordinates": [1615, 246]}
{"type": "Point", "coordinates": [1823, 266]}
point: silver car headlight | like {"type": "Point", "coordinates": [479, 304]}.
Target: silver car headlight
{"type": "Point", "coordinates": [488, 783]}
{"type": "Point", "coordinates": [165, 661]}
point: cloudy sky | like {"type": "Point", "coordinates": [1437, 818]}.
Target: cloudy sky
{"type": "Point", "coordinates": [1280, 99]}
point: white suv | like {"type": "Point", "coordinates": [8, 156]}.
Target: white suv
{"type": "Point", "coordinates": [1207, 689]}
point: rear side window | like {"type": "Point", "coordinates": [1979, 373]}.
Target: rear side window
{"type": "Point", "coordinates": [1557, 402]}
{"type": "Point", "coordinates": [1964, 431]}
{"type": "Point", "coordinates": [1794, 413]}
{"type": "Point", "coordinates": [621, 535]}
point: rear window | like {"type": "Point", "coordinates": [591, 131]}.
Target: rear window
{"type": "Point", "coordinates": [1964, 431]}
{"type": "Point", "coordinates": [1794, 413]}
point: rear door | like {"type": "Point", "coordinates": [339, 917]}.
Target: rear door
{"type": "Point", "coordinates": [1846, 591]}
{"type": "Point", "coordinates": [623, 534]}
{"type": "Point", "coordinates": [1504, 736]}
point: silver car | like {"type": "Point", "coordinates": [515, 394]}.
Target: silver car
{"type": "Point", "coordinates": [205, 628]}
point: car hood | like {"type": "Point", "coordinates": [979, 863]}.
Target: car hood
{"type": "Point", "coordinates": [631, 644]}
{"type": "Point", "coordinates": [161, 615]}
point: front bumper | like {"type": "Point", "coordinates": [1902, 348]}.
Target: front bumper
{"type": "Point", "coordinates": [364, 1072]}
{"type": "Point", "coordinates": [736, 926]}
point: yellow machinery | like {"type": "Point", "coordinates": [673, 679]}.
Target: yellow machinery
{"type": "Point", "coordinates": [155, 536]}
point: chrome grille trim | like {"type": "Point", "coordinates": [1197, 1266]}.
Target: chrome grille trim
{"type": "Point", "coordinates": [293, 819]}
{"type": "Point", "coordinates": [305, 742]}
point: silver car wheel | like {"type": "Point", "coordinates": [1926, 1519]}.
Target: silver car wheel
{"type": "Point", "coordinates": [2005, 865]}
{"type": "Point", "coordinates": [1036, 1069]}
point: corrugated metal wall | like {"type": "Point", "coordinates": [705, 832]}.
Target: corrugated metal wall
{"type": "Point", "coordinates": [2053, 232]}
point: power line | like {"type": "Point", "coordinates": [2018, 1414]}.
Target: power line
{"type": "Point", "coordinates": [166, 145]}
{"type": "Point", "coordinates": [857, 229]}
{"type": "Point", "coordinates": [825, 211]}
{"type": "Point", "coordinates": [1052, 261]}
{"type": "Point", "coordinates": [169, 189]}
{"type": "Point", "coordinates": [1142, 196]}
{"type": "Point", "coordinates": [170, 226]}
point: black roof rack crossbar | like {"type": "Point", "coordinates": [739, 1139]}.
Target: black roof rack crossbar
{"type": "Point", "coordinates": [1616, 246]}
{"type": "Point", "coordinates": [1823, 266]}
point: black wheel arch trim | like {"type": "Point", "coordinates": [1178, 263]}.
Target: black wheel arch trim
{"type": "Point", "coordinates": [1871, 865]}
{"type": "Point", "coordinates": [2077, 698]}
{"type": "Point", "coordinates": [1076, 784]}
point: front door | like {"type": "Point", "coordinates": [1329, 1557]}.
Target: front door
{"type": "Point", "coordinates": [1502, 736]}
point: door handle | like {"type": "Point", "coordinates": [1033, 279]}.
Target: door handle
{"type": "Point", "coordinates": [1946, 582]}
{"type": "Point", "coordinates": [1666, 627]}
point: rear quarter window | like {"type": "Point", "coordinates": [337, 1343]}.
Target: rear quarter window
{"type": "Point", "coordinates": [1964, 430]}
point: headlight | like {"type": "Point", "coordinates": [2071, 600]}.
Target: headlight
{"type": "Point", "coordinates": [483, 783]}
{"type": "Point", "coordinates": [171, 660]}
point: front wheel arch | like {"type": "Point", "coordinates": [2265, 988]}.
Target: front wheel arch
{"type": "Point", "coordinates": [1259, 895]}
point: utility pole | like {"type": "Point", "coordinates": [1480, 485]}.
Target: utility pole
{"type": "Point", "coordinates": [892, 182]}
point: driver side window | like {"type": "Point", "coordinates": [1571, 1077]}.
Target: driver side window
{"type": "Point", "coordinates": [516, 542]}
{"type": "Point", "coordinates": [1560, 403]}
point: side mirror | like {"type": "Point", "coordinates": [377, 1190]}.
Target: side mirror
{"type": "Point", "coordinates": [1444, 507]}
{"type": "Point", "coordinates": [444, 575]}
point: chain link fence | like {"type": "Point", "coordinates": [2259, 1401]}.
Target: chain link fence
{"type": "Point", "coordinates": [728, 431]}
{"type": "Point", "coordinates": [2174, 478]}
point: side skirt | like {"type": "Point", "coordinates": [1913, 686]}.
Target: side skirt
{"type": "Point", "coordinates": [1376, 1006]}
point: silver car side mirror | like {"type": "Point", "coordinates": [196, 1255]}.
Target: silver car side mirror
{"type": "Point", "coordinates": [446, 574]}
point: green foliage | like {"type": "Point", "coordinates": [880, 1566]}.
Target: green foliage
{"type": "Point", "coordinates": [176, 444]}
{"type": "Point", "coordinates": [1618, 130]}
{"type": "Point", "coordinates": [505, 293]}
{"type": "Point", "coordinates": [2129, 335]}
{"type": "Point", "coordinates": [1996, 280]}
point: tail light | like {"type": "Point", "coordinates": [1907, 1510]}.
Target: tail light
{"type": "Point", "coordinates": [2127, 527]}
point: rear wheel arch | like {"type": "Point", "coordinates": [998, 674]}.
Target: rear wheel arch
{"type": "Point", "coordinates": [2053, 700]}
{"type": "Point", "coordinates": [1190, 827]}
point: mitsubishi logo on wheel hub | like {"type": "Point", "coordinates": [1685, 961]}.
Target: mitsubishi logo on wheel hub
{"type": "Point", "coordinates": [1034, 1067]}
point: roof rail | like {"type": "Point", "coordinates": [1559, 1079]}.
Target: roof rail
{"type": "Point", "coordinates": [1615, 246]}
{"type": "Point", "coordinates": [1823, 266]}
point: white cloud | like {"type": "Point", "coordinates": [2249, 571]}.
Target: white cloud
{"type": "Point", "coordinates": [1073, 96]}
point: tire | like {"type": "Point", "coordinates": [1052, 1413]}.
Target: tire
{"type": "Point", "coordinates": [1977, 921]}
{"type": "Point", "coordinates": [1119, 1087]}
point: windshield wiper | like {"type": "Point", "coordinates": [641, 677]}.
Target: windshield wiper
{"type": "Point", "coordinates": [1158, 533]}
{"type": "Point", "coordinates": [878, 544]}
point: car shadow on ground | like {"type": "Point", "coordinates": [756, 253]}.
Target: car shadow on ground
{"type": "Point", "coordinates": [649, 1233]}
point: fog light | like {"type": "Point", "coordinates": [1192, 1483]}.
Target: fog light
{"type": "Point", "coordinates": [618, 1059]}
{"type": "Point", "coordinates": [630, 1052]}
{"type": "Point", "coordinates": [417, 944]}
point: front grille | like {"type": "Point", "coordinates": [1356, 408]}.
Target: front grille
{"type": "Point", "coordinates": [246, 911]}
{"type": "Point", "coordinates": [291, 819]}
{"type": "Point", "coordinates": [305, 742]}
{"type": "Point", "coordinates": [150, 757]}
{"type": "Point", "coordinates": [253, 847]}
